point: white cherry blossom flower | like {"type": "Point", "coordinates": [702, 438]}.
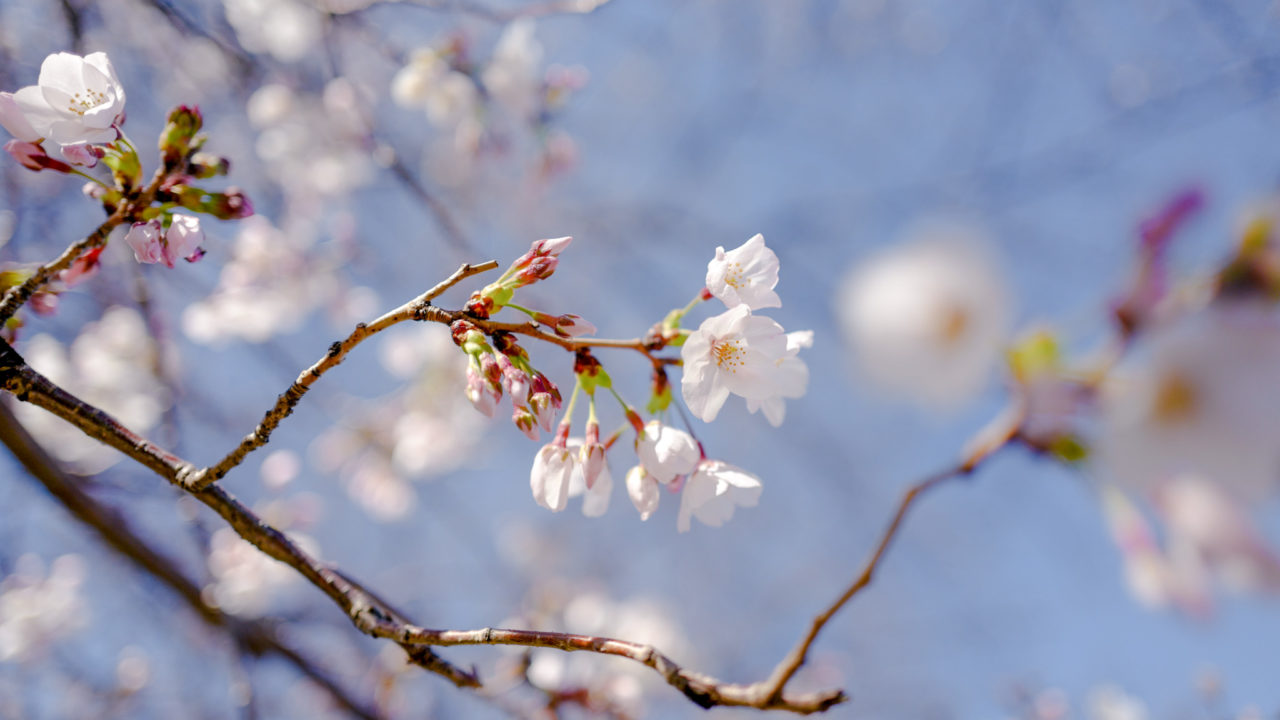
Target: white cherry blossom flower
{"type": "Point", "coordinates": [76, 99]}
{"type": "Point", "coordinates": [642, 488]}
{"type": "Point", "coordinates": [734, 352]}
{"type": "Point", "coordinates": [666, 452]}
{"type": "Point", "coordinates": [1199, 395]}
{"type": "Point", "coordinates": [927, 319]}
{"type": "Point", "coordinates": [745, 275]}
{"type": "Point", "coordinates": [553, 469]}
{"type": "Point", "coordinates": [12, 120]}
{"type": "Point", "coordinates": [596, 495]}
{"type": "Point", "coordinates": [713, 491]}
{"type": "Point", "coordinates": [792, 379]}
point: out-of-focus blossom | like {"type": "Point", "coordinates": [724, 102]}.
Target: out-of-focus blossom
{"type": "Point", "coordinates": [745, 275]}
{"type": "Point", "coordinates": [447, 96]}
{"type": "Point", "coordinates": [666, 452]}
{"type": "Point", "coordinates": [246, 581]}
{"type": "Point", "coordinates": [734, 352]}
{"type": "Point", "coordinates": [76, 100]}
{"type": "Point", "coordinates": [791, 381]}
{"type": "Point", "coordinates": [287, 29]}
{"type": "Point", "coordinates": [1206, 528]}
{"type": "Point", "coordinates": [109, 365]}
{"type": "Point", "coordinates": [1200, 395]}
{"type": "Point", "coordinates": [38, 609]}
{"type": "Point", "coordinates": [1155, 579]}
{"type": "Point", "coordinates": [273, 281]}
{"type": "Point", "coordinates": [927, 318]}
{"type": "Point", "coordinates": [1111, 703]}
{"type": "Point", "coordinates": [512, 76]}
{"type": "Point", "coordinates": [316, 148]}
{"type": "Point", "coordinates": [713, 491]}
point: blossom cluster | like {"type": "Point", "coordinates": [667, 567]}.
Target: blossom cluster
{"type": "Point", "coordinates": [735, 352]}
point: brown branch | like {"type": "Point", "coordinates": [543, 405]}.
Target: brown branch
{"type": "Point", "coordinates": [30, 386]}
{"type": "Point", "coordinates": [364, 609]}
{"type": "Point", "coordinates": [703, 690]}
{"type": "Point", "coordinates": [987, 443]}
{"type": "Point", "coordinates": [257, 638]}
{"type": "Point", "coordinates": [197, 480]}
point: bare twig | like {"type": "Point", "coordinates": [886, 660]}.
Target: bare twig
{"type": "Point", "coordinates": [199, 479]}
{"type": "Point", "coordinates": [988, 442]}
{"type": "Point", "coordinates": [257, 638]}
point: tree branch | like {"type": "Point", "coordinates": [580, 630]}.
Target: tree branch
{"type": "Point", "coordinates": [257, 638]}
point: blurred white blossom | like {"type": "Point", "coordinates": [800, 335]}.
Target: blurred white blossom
{"type": "Point", "coordinates": [246, 581]}
{"type": "Point", "coordinates": [1199, 395]}
{"type": "Point", "coordinates": [109, 365]}
{"type": "Point", "coordinates": [287, 29]}
{"type": "Point", "coordinates": [273, 281]}
{"type": "Point", "coordinates": [927, 318]}
{"type": "Point", "coordinates": [37, 609]}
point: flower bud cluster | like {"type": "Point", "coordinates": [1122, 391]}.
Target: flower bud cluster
{"type": "Point", "coordinates": [504, 366]}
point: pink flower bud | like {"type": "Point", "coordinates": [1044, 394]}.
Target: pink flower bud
{"type": "Point", "coordinates": [526, 422]}
{"type": "Point", "coordinates": [479, 392]}
{"type": "Point", "coordinates": [144, 238]}
{"type": "Point", "coordinates": [182, 240]}
{"type": "Point", "coordinates": [553, 246]}
{"type": "Point", "coordinates": [82, 154]}
{"type": "Point", "coordinates": [33, 157]}
{"type": "Point", "coordinates": [569, 325]}
{"type": "Point", "coordinates": [84, 266]}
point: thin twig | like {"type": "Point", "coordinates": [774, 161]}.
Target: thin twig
{"type": "Point", "coordinates": [989, 441]}
{"type": "Point", "coordinates": [197, 480]}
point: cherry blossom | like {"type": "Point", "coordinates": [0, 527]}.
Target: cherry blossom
{"type": "Point", "coordinates": [182, 240]}
{"type": "Point", "coordinates": [734, 352]}
{"type": "Point", "coordinates": [745, 275]}
{"type": "Point", "coordinates": [666, 452]}
{"type": "Point", "coordinates": [713, 491]}
{"type": "Point", "coordinates": [76, 99]}
{"type": "Point", "coordinates": [146, 240]}
{"type": "Point", "coordinates": [448, 96]}
{"type": "Point", "coordinates": [642, 488]}
{"type": "Point", "coordinates": [14, 121]}
{"type": "Point", "coordinates": [553, 469]}
{"type": "Point", "coordinates": [595, 492]}
{"type": "Point", "coordinates": [792, 379]}
{"type": "Point", "coordinates": [927, 319]}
